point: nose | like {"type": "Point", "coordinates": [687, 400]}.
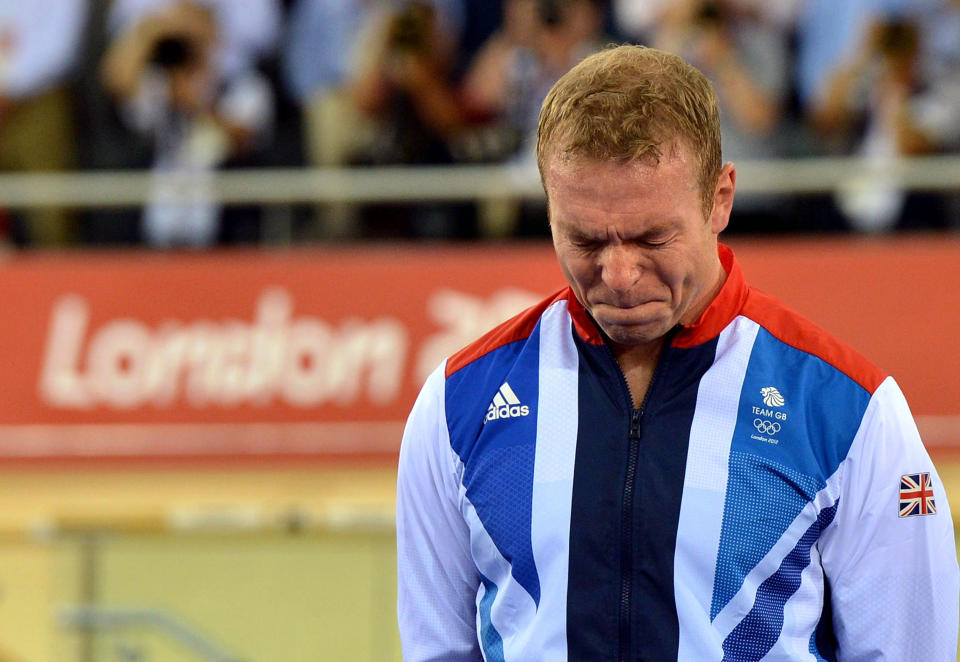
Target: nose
{"type": "Point", "coordinates": [620, 268]}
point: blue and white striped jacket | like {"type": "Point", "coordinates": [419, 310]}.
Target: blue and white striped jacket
{"type": "Point", "coordinates": [771, 501]}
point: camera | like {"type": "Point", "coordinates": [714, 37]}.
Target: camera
{"type": "Point", "coordinates": [174, 52]}
{"type": "Point", "coordinates": [711, 13]}
{"type": "Point", "coordinates": [550, 12]}
{"type": "Point", "coordinates": [896, 37]}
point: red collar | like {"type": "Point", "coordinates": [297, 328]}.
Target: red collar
{"type": "Point", "coordinates": [725, 306]}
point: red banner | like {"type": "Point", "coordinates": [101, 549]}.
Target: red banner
{"type": "Point", "coordinates": [305, 352]}
{"type": "Point", "coordinates": [321, 352]}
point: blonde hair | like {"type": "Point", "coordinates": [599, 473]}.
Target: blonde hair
{"type": "Point", "coordinates": [627, 102]}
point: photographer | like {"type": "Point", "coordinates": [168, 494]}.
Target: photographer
{"type": "Point", "coordinates": [746, 57]}
{"type": "Point", "coordinates": [403, 86]}
{"type": "Point", "coordinates": [164, 72]}
{"type": "Point", "coordinates": [406, 107]}
{"type": "Point", "coordinates": [880, 105]}
{"type": "Point", "coordinates": [510, 76]}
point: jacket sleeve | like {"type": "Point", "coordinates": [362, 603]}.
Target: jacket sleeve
{"type": "Point", "coordinates": [437, 580]}
{"type": "Point", "coordinates": [893, 579]}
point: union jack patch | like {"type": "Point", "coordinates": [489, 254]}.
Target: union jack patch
{"type": "Point", "coordinates": [916, 495]}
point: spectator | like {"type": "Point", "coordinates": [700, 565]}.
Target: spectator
{"type": "Point", "coordinates": [247, 30]}
{"type": "Point", "coordinates": [184, 72]}
{"type": "Point", "coordinates": [830, 32]}
{"type": "Point", "coordinates": [507, 82]}
{"type": "Point", "coordinates": [332, 65]}
{"type": "Point", "coordinates": [939, 112]}
{"type": "Point", "coordinates": [499, 100]}
{"type": "Point", "coordinates": [38, 45]}
{"type": "Point", "coordinates": [884, 101]}
{"type": "Point", "coordinates": [372, 78]}
{"type": "Point", "coordinates": [746, 56]}
{"type": "Point", "coordinates": [638, 20]}
{"type": "Point", "coordinates": [401, 86]}
{"type": "Point", "coordinates": [539, 40]}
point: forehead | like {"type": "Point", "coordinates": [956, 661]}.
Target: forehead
{"type": "Point", "coordinates": [586, 191]}
{"type": "Point", "coordinates": [677, 157]}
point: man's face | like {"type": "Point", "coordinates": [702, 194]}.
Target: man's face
{"type": "Point", "coordinates": [633, 242]}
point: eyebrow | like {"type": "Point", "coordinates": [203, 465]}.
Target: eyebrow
{"type": "Point", "coordinates": [656, 229]}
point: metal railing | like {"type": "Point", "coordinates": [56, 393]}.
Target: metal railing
{"type": "Point", "coordinates": [96, 620]}
{"type": "Point", "coordinates": [111, 189]}
{"type": "Point", "coordinates": [122, 619]}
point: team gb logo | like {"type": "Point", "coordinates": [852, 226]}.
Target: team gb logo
{"type": "Point", "coordinates": [771, 396]}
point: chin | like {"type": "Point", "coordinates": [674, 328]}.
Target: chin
{"type": "Point", "coordinates": [636, 334]}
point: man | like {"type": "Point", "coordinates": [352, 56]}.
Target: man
{"type": "Point", "coordinates": [660, 462]}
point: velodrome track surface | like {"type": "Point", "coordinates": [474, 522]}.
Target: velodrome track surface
{"type": "Point", "coordinates": [264, 591]}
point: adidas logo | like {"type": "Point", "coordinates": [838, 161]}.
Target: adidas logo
{"type": "Point", "coordinates": [505, 404]}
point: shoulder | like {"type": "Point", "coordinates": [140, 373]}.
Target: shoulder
{"type": "Point", "coordinates": [516, 329]}
{"type": "Point", "coordinates": [803, 387]}
{"type": "Point", "coordinates": [502, 367]}
{"type": "Point", "coordinates": [794, 330]}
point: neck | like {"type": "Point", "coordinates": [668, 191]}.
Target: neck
{"type": "Point", "coordinates": [632, 355]}
{"type": "Point", "coordinates": [638, 363]}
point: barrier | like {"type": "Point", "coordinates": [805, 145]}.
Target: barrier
{"type": "Point", "coordinates": [438, 183]}
{"type": "Point", "coordinates": [319, 353]}
{"type": "Point", "coordinates": [125, 589]}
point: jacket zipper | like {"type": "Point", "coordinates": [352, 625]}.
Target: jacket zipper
{"type": "Point", "coordinates": [626, 533]}
{"type": "Point", "coordinates": [626, 520]}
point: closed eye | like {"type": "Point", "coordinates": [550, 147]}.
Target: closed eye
{"type": "Point", "coordinates": [655, 240]}
{"type": "Point", "coordinates": [585, 243]}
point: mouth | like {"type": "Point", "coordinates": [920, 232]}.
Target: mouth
{"type": "Point", "coordinates": [608, 305]}
{"type": "Point", "coordinates": [620, 314]}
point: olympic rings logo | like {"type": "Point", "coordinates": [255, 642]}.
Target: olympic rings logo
{"type": "Point", "coordinates": [766, 427]}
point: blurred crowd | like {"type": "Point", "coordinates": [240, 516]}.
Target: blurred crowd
{"type": "Point", "coordinates": [187, 87]}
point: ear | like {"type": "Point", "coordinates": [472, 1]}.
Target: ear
{"type": "Point", "coordinates": [723, 198]}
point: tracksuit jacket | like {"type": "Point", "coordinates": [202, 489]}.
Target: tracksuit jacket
{"type": "Point", "coordinates": [771, 499]}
